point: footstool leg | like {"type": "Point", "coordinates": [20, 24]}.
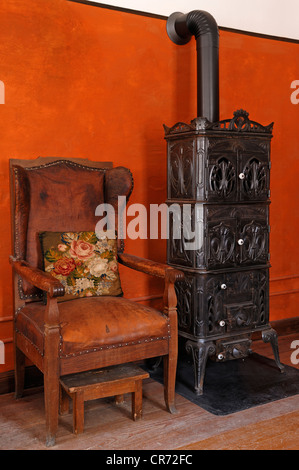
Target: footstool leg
{"type": "Point", "coordinates": [78, 412]}
{"type": "Point", "coordinates": [119, 399]}
{"type": "Point", "coordinates": [137, 401]}
{"type": "Point", "coordinates": [63, 402]}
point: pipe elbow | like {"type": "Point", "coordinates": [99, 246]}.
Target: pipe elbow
{"type": "Point", "coordinates": [181, 27]}
{"type": "Point", "coordinates": [201, 23]}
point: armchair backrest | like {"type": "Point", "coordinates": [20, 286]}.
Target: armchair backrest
{"type": "Point", "coordinates": [59, 195]}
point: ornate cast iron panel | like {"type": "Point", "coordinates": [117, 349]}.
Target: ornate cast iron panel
{"type": "Point", "coordinates": [226, 166]}
{"type": "Point", "coordinates": [255, 182]}
{"type": "Point", "coordinates": [227, 236]}
{"type": "Point", "coordinates": [222, 171]}
{"type": "Point", "coordinates": [182, 170]}
{"type": "Point", "coordinates": [214, 304]}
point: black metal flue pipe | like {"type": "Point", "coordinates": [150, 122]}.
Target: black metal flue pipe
{"type": "Point", "coordinates": [180, 28]}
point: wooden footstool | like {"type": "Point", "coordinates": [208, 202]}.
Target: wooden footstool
{"type": "Point", "coordinates": [100, 383]}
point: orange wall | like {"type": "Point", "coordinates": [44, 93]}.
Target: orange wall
{"type": "Point", "coordinates": [82, 81]}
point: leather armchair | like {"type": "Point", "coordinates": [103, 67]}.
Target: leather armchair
{"type": "Point", "coordinates": [67, 337]}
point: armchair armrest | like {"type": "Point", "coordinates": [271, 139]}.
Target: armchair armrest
{"type": "Point", "coordinates": [37, 277]}
{"type": "Point", "coordinates": [151, 267]}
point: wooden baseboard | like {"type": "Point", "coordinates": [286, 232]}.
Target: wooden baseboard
{"type": "Point", "coordinates": [34, 378]}
{"type": "Point", "coordinates": [286, 326]}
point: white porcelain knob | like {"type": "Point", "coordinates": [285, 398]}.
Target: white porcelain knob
{"type": "Point", "coordinates": [241, 176]}
{"type": "Point", "coordinates": [222, 323]}
{"type": "Point", "coordinates": [220, 357]}
{"type": "Point", "coordinates": [223, 286]}
{"type": "Point", "coordinates": [240, 242]}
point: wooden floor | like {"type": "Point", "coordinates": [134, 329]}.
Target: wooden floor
{"type": "Point", "coordinates": [107, 426]}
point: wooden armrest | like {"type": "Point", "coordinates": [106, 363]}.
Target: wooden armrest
{"type": "Point", "coordinates": [37, 277]}
{"type": "Point", "coordinates": [151, 267]}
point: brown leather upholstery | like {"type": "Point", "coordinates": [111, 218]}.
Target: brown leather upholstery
{"type": "Point", "coordinates": [85, 333]}
{"type": "Point", "coordinates": [80, 189]}
{"type": "Point", "coordinates": [93, 324]}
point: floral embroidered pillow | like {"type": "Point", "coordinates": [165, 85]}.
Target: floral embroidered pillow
{"type": "Point", "coordinates": [84, 262]}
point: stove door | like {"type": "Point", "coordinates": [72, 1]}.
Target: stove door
{"type": "Point", "coordinates": [253, 236]}
{"type": "Point", "coordinates": [235, 301]}
{"type": "Point", "coordinates": [254, 175]}
{"type": "Point", "coordinates": [222, 183]}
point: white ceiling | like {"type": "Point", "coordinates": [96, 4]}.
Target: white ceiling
{"type": "Point", "coordinates": [271, 17]}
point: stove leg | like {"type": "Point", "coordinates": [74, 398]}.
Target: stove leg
{"type": "Point", "coordinates": [270, 336]}
{"type": "Point", "coordinates": [200, 352]}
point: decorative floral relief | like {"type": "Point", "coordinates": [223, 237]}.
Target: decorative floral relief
{"type": "Point", "coordinates": [181, 170]}
{"type": "Point", "coordinates": [254, 238]}
{"type": "Point", "coordinates": [255, 181]}
{"type": "Point", "coordinates": [222, 178]}
{"type": "Point", "coordinates": [222, 244]}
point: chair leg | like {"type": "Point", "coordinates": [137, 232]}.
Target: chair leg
{"type": "Point", "coordinates": [51, 396]}
{"type": "Point", "coordinates": [51, 369]}
{"type": "Point", "coordinates": [170, 365]}
{"type": "Point", "coordinates": [19, 372]}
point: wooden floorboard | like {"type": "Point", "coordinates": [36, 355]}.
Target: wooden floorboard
{"type": "Point", "coordinates": [272, 434]}
{"type": "Point", "coordinates": [110, 427]}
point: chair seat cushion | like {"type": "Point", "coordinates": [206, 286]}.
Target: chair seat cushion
{"type": "Point", "coordinates": [95, 323]}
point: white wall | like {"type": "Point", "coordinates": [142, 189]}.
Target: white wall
{"type": "Point", "coordinates": [272, 17]}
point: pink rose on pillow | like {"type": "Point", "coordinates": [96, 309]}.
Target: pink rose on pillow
{"type": "Point", "coordinates": [62, 247]}
{"type": "Point", "coordinates": [64, 266]}
{"type": "Point", "coordinates": [81, 249]}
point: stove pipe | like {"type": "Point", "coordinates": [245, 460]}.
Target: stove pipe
{"type": "Point", "coordinates": [180, 28]}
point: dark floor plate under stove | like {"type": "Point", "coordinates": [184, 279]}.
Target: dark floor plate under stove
{"type": "Point", "coordinates": [236, 385]}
